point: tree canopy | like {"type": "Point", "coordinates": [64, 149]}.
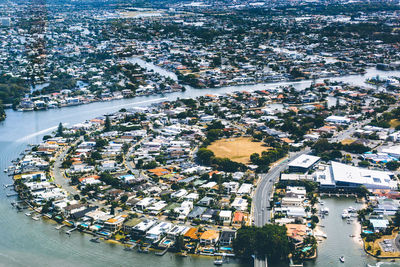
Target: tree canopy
{"type": "Point", "coordinates": [268, 241]}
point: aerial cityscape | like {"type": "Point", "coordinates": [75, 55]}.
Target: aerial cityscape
{"type": "Point", "coordinates": [200, 133]}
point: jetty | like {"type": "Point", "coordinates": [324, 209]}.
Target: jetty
{"type": "Point", "coordinates": [162, 253]}
{"type": "Point", "coordinates": [130, 247]}
{"type": "Point", "coordinates": [71, 230]}
{"type": "Point", "coordinates": [144, 250]}
{"type": "Point", "coordinates": [58, 227]}
{"type": "Point", "coordinates": [36, 217]}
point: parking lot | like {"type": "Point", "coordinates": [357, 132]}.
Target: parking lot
{"type": "Point", "coordinates": [388, 245]}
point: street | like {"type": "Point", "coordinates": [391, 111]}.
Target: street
{"type": "Point", "coordinates": [262, 214]}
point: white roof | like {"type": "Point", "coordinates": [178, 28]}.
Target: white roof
{"type": "Point", "coordinates": [245, 189]}
{"type": "Point", "coordinates": [355, 175]}
{"type": "Point", "coordinates": [334, 118]}
{"type": "Point", "coordinates": [393, 150]}
{"type": "Point", "coordinates": [304, 161]}
{"type": "Point", "coordinates": [225, 213]}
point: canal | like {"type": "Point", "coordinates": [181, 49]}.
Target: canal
{"type": "Point", "coordinates": [24, 242]}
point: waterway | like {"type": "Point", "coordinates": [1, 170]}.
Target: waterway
{"type": "Point", "coordinates": [24, 242]}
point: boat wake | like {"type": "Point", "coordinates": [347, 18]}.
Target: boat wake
{"type": "Point", "coordinates": [135, 103]}
{"type": "Point", "coordinates": [379, 264]}
{"type": "Point", "coordinates": [39, 133]}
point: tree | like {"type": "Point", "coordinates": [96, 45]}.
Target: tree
{"type": "Point", "coordinates": [322, 145]}
{"type": "Point", "coordinates": [205, 156]}
{"type": "Point", "coordinates": [107, 124]}
{"type": "Point", "coordinates": [124, 198]}
{"type": "Point", "coordinates": [60, 130]}
{"type": "Point", "coordinates": [268, 241]}
{"type": "Point", "coordinates": [113, 206]}
{"type": "Point", "coordinates": [179, 243]}
{"type": "Point", "coordinates": [392, 165]}
{"type": "Point", "coordinates": [363, 163]}
{"type": "Point", "coordinates": [396, 219]}
{"type": "Point", "coordinates": [96, 155]}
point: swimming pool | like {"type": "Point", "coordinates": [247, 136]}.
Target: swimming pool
{"type": "Point", "coordinates": [225, 248]}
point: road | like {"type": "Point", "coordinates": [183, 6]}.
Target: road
{"type": "Point", "coordinates": [58, 173]}
{"type": "Point", "coordinates": [346, 134]}
{"type": "Point", "coordinates": [262, 215]}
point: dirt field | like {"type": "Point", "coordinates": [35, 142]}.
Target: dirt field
{"type": "Point", "coordinates": [236, 149]}
{"type": "Point", "coordinates": [394, 123]}
{"type": "Point", "coordinates": [347, 141]}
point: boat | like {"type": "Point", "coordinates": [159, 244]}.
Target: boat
{"type": "Point", "coordinates": [322, 203]}
{"type": "Point", "coordinates": [345, 214]}
{"type": "Point", "coordinates": [325, 210]}
{"type": "Point", "coordinates": [351, 235]}
{"type": "Point", "coordinates": [184, 254]}
{"type": "Point", "coordinates": [324, 236]}
{"type": "Point", "coordinates": [28, 214]}
{"type": "Point", "coordinates": [351, 209]}
{"type": "Point", "coordinates": [218, 262]}
{"type": "Point", "coordinates": [36, 218]}
{"type": "Point", "coordinates": [341, 259]}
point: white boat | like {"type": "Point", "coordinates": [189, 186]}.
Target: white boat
{"type": "Point", "coordinates": [322, 203]}
{"type": "Point", "coordinates": [324, 236]}
{"type": "Point", "coordinates": [345, 214]}
{"type": "Point", "coordinates": [218, 262]}
{"type": "Point", "coordinates": [325, 210]}
{"type": "Point", "coordinates": [351, 209]}
{"type": "Point", "coordinates": [341, 259]}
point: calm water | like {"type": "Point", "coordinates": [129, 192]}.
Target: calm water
{"type": "Point", "coordinates": [24, 242]}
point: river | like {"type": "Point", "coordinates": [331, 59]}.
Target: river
{"type": "Point", "coordinates": [24, 242]}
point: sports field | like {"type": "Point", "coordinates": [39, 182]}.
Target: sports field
{"type": "Point", "coordinates": [237, 149]}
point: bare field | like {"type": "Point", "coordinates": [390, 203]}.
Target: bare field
{"type": "Point", "coordinates": [236, 149]}
{"type": "Point", "coordinates": [394, 123]}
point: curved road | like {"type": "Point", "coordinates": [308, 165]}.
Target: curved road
{"type": "Point", "coordinates": [58, 173]}
{"type": "Point", "coordinates": [261, 213]}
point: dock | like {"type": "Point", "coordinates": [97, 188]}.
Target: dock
{"type": "Point", "coordinates": [58, 227]}
{"type": "Point", "coordinates": [71, 230]}
{"type": "Point", "coordinates": [144, 250]}
{"type": "Point", "coordinates": [162, 253]}
{"type": "Point", "coordinates": [130, 247]}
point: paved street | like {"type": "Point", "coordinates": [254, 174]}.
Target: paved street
{"type": "Point", "coordinates": [58, 172]}
{"type": "Point", "coordinates": [264, 189]}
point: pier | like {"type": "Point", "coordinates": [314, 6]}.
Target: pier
{"type": "Point", "coordinates": [71, 230]}
{"type": "Point", "coordinates": [58, 227]}
{"type": "Point", "coordinates": [162, 253]}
